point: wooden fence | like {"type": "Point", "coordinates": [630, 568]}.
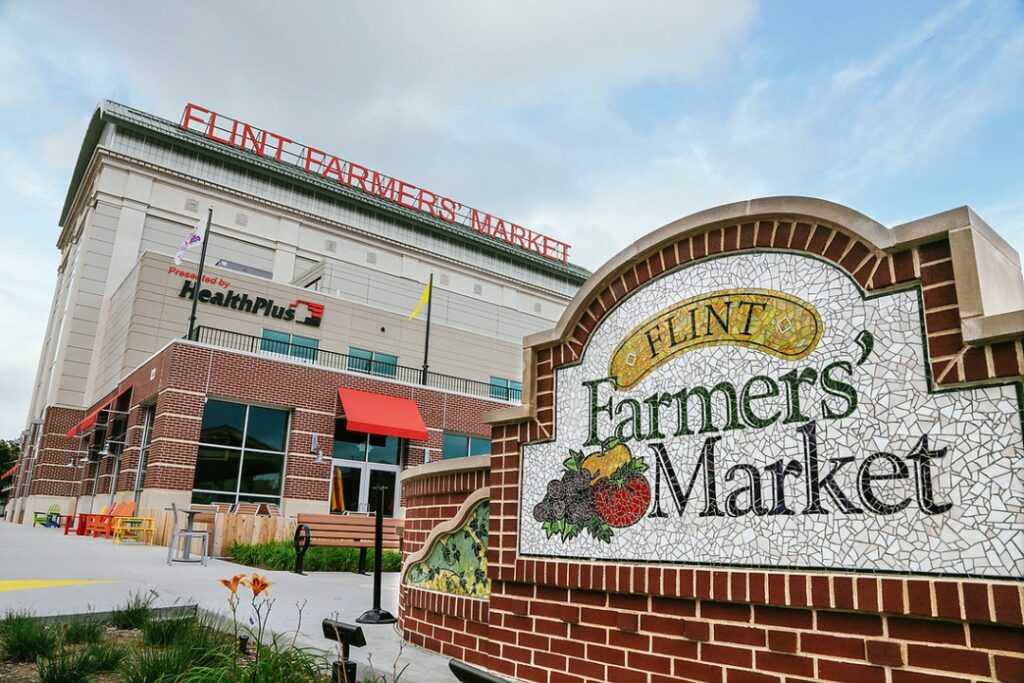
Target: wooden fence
{"type": "Point", "coordinates": [228, 529]}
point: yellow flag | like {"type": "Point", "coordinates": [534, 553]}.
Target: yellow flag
{"type": "Point", "coordinates": [419, 305]}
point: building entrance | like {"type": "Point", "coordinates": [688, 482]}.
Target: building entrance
{"type": "Point", "coordinates": [361, 463]}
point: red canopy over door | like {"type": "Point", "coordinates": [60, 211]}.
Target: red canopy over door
{"type": "Point", "coordinates": [383, 415]}
{"type": "Point", "coordinates": [90, 419]}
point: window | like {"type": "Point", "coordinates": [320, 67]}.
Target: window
{"type": "Point", "coordinates": [372, 362]}
{"type": "Point", "coordinates": [241, 453]}
{"type": "Point", "coordinates": [361, 463]}
{"type": "Point", "coordinates": [506, 389]}
{"type": "Point", "coordinates": [461, 445]}
{"type": "Point", "coordinates": [289, 345]}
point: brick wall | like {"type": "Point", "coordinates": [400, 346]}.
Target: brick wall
{"type": "Point", "coordinates": [53, 474]}
{"type": "Point", "coordinates": [452, 625]}
{"type": "Point", "coordinates": [177, 381]}
{"type": "Point", "coordinates": [576, 622]}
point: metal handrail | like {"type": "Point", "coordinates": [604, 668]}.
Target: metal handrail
{"type": "Point", "coordinates": [342, 361]}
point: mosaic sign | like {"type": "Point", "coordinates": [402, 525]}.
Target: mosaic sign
{"type": "Point", "coordinates": [457, 561]}
{"type": "Point", "coordinates": [760, 409]}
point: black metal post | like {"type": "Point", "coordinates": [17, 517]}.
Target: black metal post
{"type": "Point", "coordinates": [199, 274]}
{"type": "Point", "coordinates": [378, 615]}
{"type": "Point", "coordinates": [302, 539]}
{"type": "Point", "coordinates": [426, 340]}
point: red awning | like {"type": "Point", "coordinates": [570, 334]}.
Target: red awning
{"type": "Point", "coordinates": [90, 419]}
{"type": "Point", "coordinates": [10, 472]}
{"type": "Point", "coordinates": [383, 415]}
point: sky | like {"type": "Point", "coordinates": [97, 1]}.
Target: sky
{"type": "Point", "coordinates": [592, 121]}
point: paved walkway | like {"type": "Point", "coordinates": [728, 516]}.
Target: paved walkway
{"type": "Point", "coordinates": [49, 573]}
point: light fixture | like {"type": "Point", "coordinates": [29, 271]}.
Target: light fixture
{"type": "Point", "coordinates": [319, 458]}
{"type": "Point", "coordinates": [105, 451]}
{"type": "Point", "coordinates": [314, 443]}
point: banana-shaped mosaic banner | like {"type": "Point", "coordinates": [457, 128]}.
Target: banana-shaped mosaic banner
{"type": "Point", "coordinates": [773, 322]}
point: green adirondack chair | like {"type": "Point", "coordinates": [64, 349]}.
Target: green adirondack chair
{"type": "Point", "coordinates": [48, 519]}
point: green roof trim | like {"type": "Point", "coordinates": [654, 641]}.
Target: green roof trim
{"type": "Point", "coordinates": [154, 126]}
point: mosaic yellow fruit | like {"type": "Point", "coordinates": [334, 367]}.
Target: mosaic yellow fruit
{"type": "Point", "coordinates": [604, 464]}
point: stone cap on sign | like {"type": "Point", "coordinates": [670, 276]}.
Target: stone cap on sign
{"type": "Point", "coordinates": [442, 467]}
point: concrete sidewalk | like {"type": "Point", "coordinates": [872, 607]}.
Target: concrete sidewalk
{"type": "Point", "coordinates": [46, 554]}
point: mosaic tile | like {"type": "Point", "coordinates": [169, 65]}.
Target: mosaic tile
{"type": "Point", "coordinates": [457, 562]}
{"type": "Point", "coordinates": [724, 445]}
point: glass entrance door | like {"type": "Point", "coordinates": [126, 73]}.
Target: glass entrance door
{"type": "Point", "coordinates": [361, 463]}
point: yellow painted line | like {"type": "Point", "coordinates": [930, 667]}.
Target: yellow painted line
{"type": "Point", "coordinates": [27, 584]}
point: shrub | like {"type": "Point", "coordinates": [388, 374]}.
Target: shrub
{"type": "Point", "coordinates": [89, 630]}
{"type": "Point", "coordinates": [280, 555]}
{"type": "Point", "coordinates": [165, 631]}
{"type": "Point", "coordinates": [102, 656]}
{"type": "Point", "coordinates": [67, 667]}
{"type": "Point", "coordinates": [150, 665]}
{"type": "Point", "coordinates": [25, 639]}
{"type": "Point", "coordinates": [135, 612]}
{"type": "Point", "coordinates": [277, 664]}
{"type": "Point", "coordinates": [202, 644]}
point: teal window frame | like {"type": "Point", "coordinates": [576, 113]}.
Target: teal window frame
{"type": "Point", "coordinates": [463, 445]}
{"type": "Point", "coordinates": [286, 344]}
{"type": "Point", "coordinates": [372, 362]}
{"type": "Point", "coordinates": [506, 389]}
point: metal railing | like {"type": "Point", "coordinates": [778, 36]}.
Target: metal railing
{"type": "Point", "coordinates": [237, 341]}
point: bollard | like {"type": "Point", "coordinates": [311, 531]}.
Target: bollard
{"type": "Point", "coordinates": [377, 615]}
{"type": "Point", "coordinates": [302, 535]}
{"type": "Point", "coordinates": [470, 674]}
{"type": "Point", "coordinates": [343, 671]}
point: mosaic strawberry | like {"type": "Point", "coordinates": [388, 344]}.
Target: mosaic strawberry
{"type": "Point", "coordinates": [595, 493]}
{"type": "Point", "coordinates": [622, 499]}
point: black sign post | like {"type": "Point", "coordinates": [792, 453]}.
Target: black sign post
{"type": "Point", "coordinates": [377, 615]}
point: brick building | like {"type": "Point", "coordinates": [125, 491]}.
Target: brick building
{"type": "Point", "coordinates": [305, 382]}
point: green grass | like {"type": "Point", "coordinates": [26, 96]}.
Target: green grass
{"type": "Point", "coordinates": [88, 630]}
{"type": "Point", "coordinates": [24, 639]}
{"type": "Point", "coordinates": [202, 643]}
{"type": "Point", "coordinates": [165, 631]}
{"type": "Point", "coordinates": [193, 645]}
{"type": "Point", "coordinates": [103, 656]}
{"type": "Point", "coordinates": [67, 667]}
{"type": "Point", "coordinates": [150, 665]}
{"type": "Point", "coordinates": [277, 664]}
{"type": "Point", "coordinates": [136, 612]}
{"type": "Point", "coordinates": [280, 555]}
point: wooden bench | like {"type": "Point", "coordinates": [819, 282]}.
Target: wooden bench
{"type": "Point", "coordinates": [346, 531]}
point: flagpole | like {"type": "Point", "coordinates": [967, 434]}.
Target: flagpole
{"type": "Point", "coordinates": [426, 340]}
{"type": "Point", "coordinates": [199, 275]}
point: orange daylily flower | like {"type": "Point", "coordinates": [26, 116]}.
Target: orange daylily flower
{"type": "Point", "coordinates": [234, 582]}
{"type": "Point", "coordinates": [258, 584]}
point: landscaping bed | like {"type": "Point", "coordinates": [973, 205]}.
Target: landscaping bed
{"type": "Point", "coordinates": [280, 556]}
{"type": "Point", "coordinates": [138, 644]}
